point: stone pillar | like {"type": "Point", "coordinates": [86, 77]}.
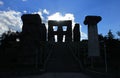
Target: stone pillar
{"type": "Point", "coordinates": [31, 27]}
{"type": "Point", "coordinates": [60, 34]}
{"type": "Point", "coordinates": [50, 32]}
{"type": "Point", "coordinates": [43, 32]}
{"type": "Point", "coordinates": [76, 33]}
{"type": "Point", "coordinates": [93, 43]}
{"type": "Point", "coordinates": [30, 39]}
{"type": "Point", "coordinates": [68, 34]}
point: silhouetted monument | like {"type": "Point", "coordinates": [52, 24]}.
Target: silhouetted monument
{"type": "Point", "coordinates": [43, 32]}
{"type": "Point", "coordinates": [76, 33]}
{"type": "Point", "coordinates": [33, 29]}
{"type": "Point", "coordinates": [33, 34]}
{"type": "Point", "coordinates": [60, 32]}
{"type": "Point", "coordinates": [37, 51]}
{"type": "Point", "coordinates": [93, 44]}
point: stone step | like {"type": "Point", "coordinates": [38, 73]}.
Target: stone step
{"type": "Point", "coordinates": [62, 59]}
{"type": "Point", "coordinates": [59, 75]}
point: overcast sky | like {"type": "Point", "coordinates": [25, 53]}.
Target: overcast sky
{"type": "Point", "coordinates": [75, 10]}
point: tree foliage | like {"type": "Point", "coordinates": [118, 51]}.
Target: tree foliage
{"type": "Point", "coordinates": [110, 35]}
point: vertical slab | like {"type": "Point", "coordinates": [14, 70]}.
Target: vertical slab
{"type": "Point", "coordinates": [93, 43]}
{"type": "Point", "coordinates": [60, 34]}
{"type": "Point", "coordinates": [50, 32]}
{"type": "Point", "coordinates": [32, 26]}
{"type": "Point", "coordinates": [76, 33]}
{"type": "Point", "coordinates": [43, 32]}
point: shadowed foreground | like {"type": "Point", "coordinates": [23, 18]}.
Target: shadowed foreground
{"type": "Point", "coordinates": [58, 75]}
{"type": "Point", "coordinates": [61, 59]}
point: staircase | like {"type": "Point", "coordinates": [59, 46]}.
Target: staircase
{"type": "Point", "coordinates": [62, 59]}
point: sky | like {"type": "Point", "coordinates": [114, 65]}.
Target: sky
{"type": "Point", "coordinates": [75, 10]}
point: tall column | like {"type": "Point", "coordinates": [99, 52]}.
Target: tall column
{"type": "Point", "coordinates": [60, 34]}
{"type": "Point", "coordinates": [31, 29]}
{"type": "Point", "coordinates": [68, 37]}
{"type": "Point", "coordinates": [50, 32]}
{"type": "Point", "coordinates": [93, 43]}
{"type": "Point", "coordinates": [76, 33]}
{"type": "Point", "coordinates": [43, 32]}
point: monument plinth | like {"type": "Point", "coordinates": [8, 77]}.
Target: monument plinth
{"type": "Point", "coordinates": [93, 43]}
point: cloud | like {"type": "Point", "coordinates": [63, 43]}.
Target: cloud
{"type": "Point", "coordinates": [68, 16]}
{"type": "Point", "coordinates": [83, 36]}
{"type": "Point", "coordinates": [43, 14]}
{"type": "Point", "coordinates": [46, 11]}
{"type": "Point", "coordinates": [10, 20]}
{"type": "Point", "coordinates": [40, 13]}
{"type": "Point", "coordinates": [24, 11]}
{"type": "Point", "coordinates": [1, 3]}
{"type": "Point", "coordinates": [58, 16]}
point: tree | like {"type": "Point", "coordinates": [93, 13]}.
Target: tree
{"type": "Point", "coordinates": [100, 37]}
{"type": "Point", "coordinates": [110, 35]}
{"type": "Point", "coordinates": [9, 38]}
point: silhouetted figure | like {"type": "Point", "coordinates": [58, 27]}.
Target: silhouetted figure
{"type": "Point", "coordinates": [76, 33]}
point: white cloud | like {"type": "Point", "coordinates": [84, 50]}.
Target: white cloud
{"type": "Point", "coordinates": [83, 36]}
{"type": "Point", "coordinates": [24, 11]}
{"type": "Point", "coordinates": [1, 3]}
{"type": "Point", "coordinates": [68, 16]}
{"type": "Point", "coordinates": [58, 16]}
{"type": "Point", "coordinates": [46, 11]}
{"type": "Point", "coordinates": [40, 13]}
{"type": "Point", "coordinates": [10, 20]}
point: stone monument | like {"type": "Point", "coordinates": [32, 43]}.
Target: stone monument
{"type": "Point", "coordinates": [60, 32]}
{"type": "Point", "coordinates": [76, 33]}
{"type": "Point", "coordinates": [33, 29]}
{"type": "Point", "coordinates": [93, 43]}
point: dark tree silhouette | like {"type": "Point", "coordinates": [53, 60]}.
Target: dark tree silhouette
{"type": "Point", "coordinates": [110, 35]}
{"type": "Point", "coordinates": [9, 50]}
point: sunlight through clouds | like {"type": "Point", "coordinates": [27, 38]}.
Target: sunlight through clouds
{"type": "Point", "coordinates": [11, 19]}
{"type": "Point", "coordinates": [68, 16]}
{"type": "Point", "coordinates": [58, 16]}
